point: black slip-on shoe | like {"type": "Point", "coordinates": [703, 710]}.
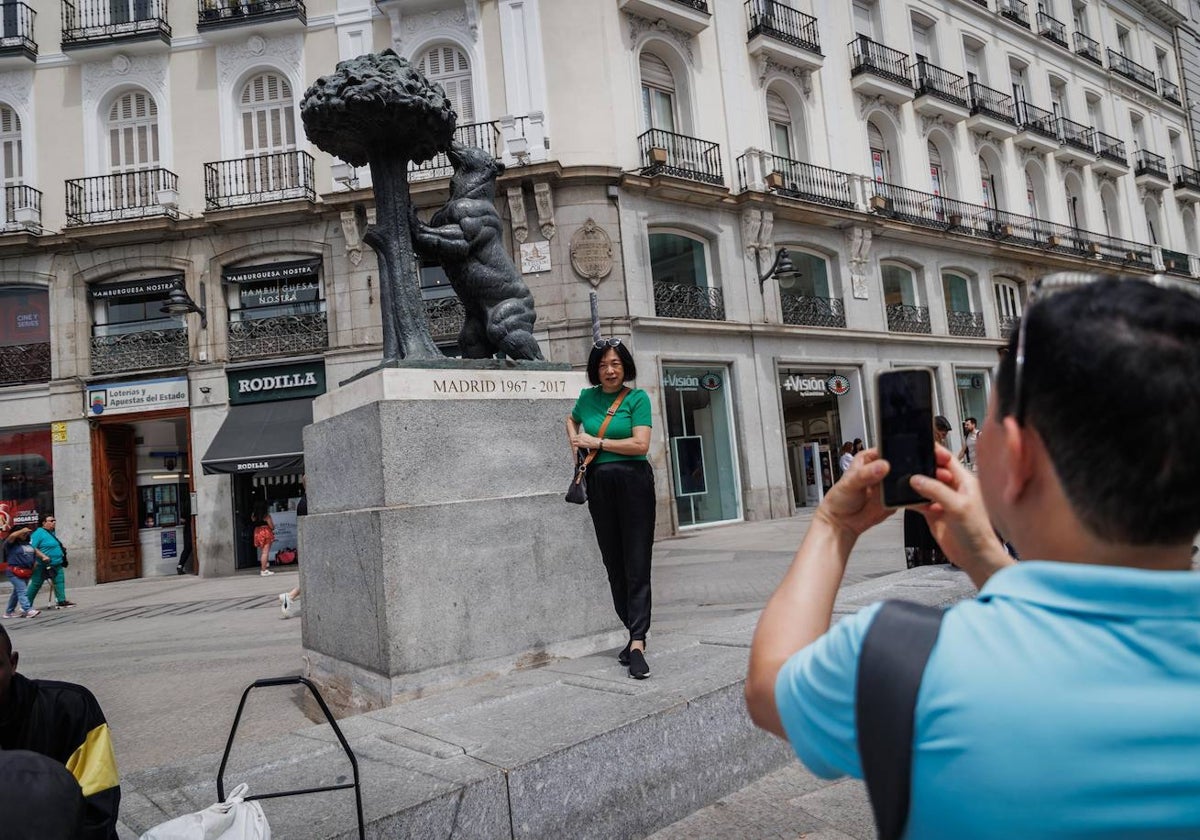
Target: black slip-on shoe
{"type": "Point", "coordinates": [623, 656]}
{"type": "Point", "coordinates": [638, 669]}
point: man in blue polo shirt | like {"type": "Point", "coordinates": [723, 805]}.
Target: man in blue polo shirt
{"type": "Point", "coordinates": [1064, 701]}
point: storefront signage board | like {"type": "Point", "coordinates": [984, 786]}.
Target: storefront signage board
{"type": "Point", "coordinates": [135, 288]}
{"type": "Point", "coordinates": [276, 382]}
{"type": "Point", "coordinates": [129, 397]}
{"type": "Point", "coordinates": [275, 273]}
{"type": "Point", "coordinates": [816, 384]}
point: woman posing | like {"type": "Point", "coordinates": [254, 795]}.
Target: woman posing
{"type": "Point", "coordinates": [21, 558]}
{"type": "Point", "coordinates": [620, 485]}
{"type": "Point", "coordinates": [52, 560]}
{"type": "Point", "coordinates": [264, 535]}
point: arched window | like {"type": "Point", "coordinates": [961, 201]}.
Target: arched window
{"type": "Point", "coordinates": [779, 118]}
{"type": "Point", "coordinates": [267, 115]}
{"type": "Point", "coordinates": [901, 299]}
{"type": "Point", "coordinates": [449, 67]}
{"type": "Point", "coordinates": [1109, 208]}
{"type": "Point", "coordinates": [658, 93]}
{"type": "Point", "coordinates": [1008, 303]}
{"type": "Point", "coordinates": [1075, 210]}
{"type": "Point", "coordinates": [991, 196]}
{"type": "Point", "coordinates": [880, 157]}
{"type": "Point", "coordinates": [936, 184]}
{"type": "Point", "coordinates": [1031, 199]}
{"type": "Point", "coordinates": [679, 270]}
{"type": "Point", "coordinates": [1153, 221]}
{"type": "Point", "coordinates": [961, 317]}
{"type": "Point", "coordinates": [133, 133]}
{"type": "Point", "coordinates": [808, 298]}
{"type": "Point", "coordinates": [1189, 230]}
{"type": "Point", "coordinates": [10, 147]}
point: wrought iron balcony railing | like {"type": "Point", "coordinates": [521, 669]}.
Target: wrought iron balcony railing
{"type": "Point", "coordinates": [667, 153]}
{"type": "Point", "coordinates": [683, 300]}
{"type": "Point", "coordinates": [1130, 69]}
{"type": "Point", "coordinates": [129, 195]}
{"type": "Point", "coordinates": [766, 17]}
{"type": "Point", "coordinates": [220, 13]}
{"type": "Point", "coordinates": [16, 33]}
{"type": "Point", "coordinates": [1148, 163]}
{"type": "Point", "coordinates": [165, 348]}
{"type": "Point", "coordinates": [795, 179]}
{"type": "Point", "coordinates": [1037, 120]}
{"type": "Point", "coordinates": [21, 363]}
{"type": "Point", "coordinates": [983, 3]}
{"type": "Point", "coordinates": [264, 179]}
{"type": "Point", "coordinates": [966, 324]}
{"type": "Point", "coordinates": [931, 80]}
{"type": "Point", "coordinates": [986, 100]}
{"type": "Point", "coordinates": [1014, 10]}
{"type": "Point", "coordinates": [1170, 91]}
{"type": "Point", "coordinates": [481, 135]}
{"type": "Point", "coordinates": [1088, 48]}
{"type": "Point", "coordinates": [698, 5]}
{"type": "Point", "coordinates": [446, 316]}
{"type": "Point", "coordinates": [256, 338]}
{"type": "Point", "coordinates": [1187, 178]}
{"type": "Point", "coordinates": [22, 209]}
{"type": "Point", "coordinates": [810, 311]}
{"type": "Point", "coordinates": [1176, 262]}
{"type": "Point", "coordinates": [1008, 325]}
{"type": "Point", "coordinates": [1077, 135]}
{"type": "Point", "coordinates": [867, 56]}
{"type": "Point", "coordinates": [87, 22]}
{"type": "Point", "coordinates": [1110, 147]}
{"type": "Point", "coordinates": [908, 319]}
{"type": "Point", "coordinates": [1052, 29]}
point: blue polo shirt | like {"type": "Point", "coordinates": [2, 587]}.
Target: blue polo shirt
{"type": "Point", "coordinates": [1063, 702]}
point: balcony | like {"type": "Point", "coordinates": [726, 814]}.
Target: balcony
{"type": "Point", "coordinates": [446, 316]}
{"type": "Point", "coordinates": [679, 156]}
{"type": "Point", "coordinates": [23, 363]}
{"type": "Point", "coordinates": [983, 3]}
{"type": "Point", "coordinates": [1131, 70]}
{"type": "Point", "coordinates": [1014, 10]}
{"type": "Point", "coordinates": [281, 335]}
{"type": "Point", "coordinates": [1111, 157]}
{"type": "Point", "coordinates": [1008, 325]}
{"type": "Point", "coordinates": [965, 324]}
{"type": "Point", "coordinates": [17, 47]}
{"type": "Point", "coordinates": [809, 311]}
{"type": "Point", "coordinates": [1052, 29]}
{"type": "Point", "coordinates": [690, 16]}
{"type": "Point", "coordinates": [1038, 129]}
{"type": "Point", "coordinates": [117, 198]}
{"type": "Point", "coordinates": [1120, 252]}
{"type": "Point", "coordinates": [940, 93]}
{"type": "Point", "coordinates": [1086, 48]}
{"type": "Point", "coordinates": [228, 19]}
{"type": "Point", "coordinates": [682, 300]}
{"type": "Point", "coordinates": [992, 112]}
{"type": "Point", "coordinates": [1177, 263]}
{"type": "Point", "coordinates": [1150, 170]}
{"type": "Point", "coordinates": [1078, 142]}
{"type": "Point", "coordinates": [108, 26]}
{"type": "Point", "coordinates": [1170, 91]}
{"type": "Point", "coordinates": [142, 350]}
{"type": "Point", "coordinates": [482, 135]}
{"type": "Point", "coordinates": [265, 179]}
{"type": "Point", "coordinates": [1187, 183]}
{"type": "Point", "coordinates": [908, 319]}
{"type": "Point", "coordinates": [876, 70]}
{"type": "Point", "coordinates": [794, 179]}
{"type": "Point", "coordinates": [22, 210]}
{"type": "Point", "coordinates": [781, 33]}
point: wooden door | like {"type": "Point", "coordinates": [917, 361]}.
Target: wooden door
{"type": "Point", "coordinates": [116, 505]}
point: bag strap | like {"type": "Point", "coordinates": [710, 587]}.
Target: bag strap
{"type": "Point", "coordinates": [891, 664]}
{"type": "Point", "coordinates": [612, 410]}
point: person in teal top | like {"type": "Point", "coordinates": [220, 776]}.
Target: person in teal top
{"type": "Point", "coordinates": [620, 485]}
{"type": "Point", "coordinates": [52, 557]}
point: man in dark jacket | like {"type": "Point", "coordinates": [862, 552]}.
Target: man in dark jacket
{"type": "Point", "coordinates": [64, 722]}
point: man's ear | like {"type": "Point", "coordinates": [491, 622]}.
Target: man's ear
{"type": "Point", "coordinates": [1018, 459]}
{"type": "Point", "coordinates": [13, 657]}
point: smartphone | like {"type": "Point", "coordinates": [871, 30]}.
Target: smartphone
{"type": "Point", "coordinates": [905, 400]}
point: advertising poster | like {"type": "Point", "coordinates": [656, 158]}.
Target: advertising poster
{"type": "Point", "coordinates": [813, 491]}
{"type": "Point", "coordinates": [169, 546]}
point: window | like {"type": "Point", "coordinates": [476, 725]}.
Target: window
{"type": "Point", "coordinates": [1095, 117]}
{"type": "Point", "coordinates": [864, 18]}
{"type": "Point", "coordinates": [1058, 97]}
{"type": "Point", "coordinates": [1162, 64]}
{"type": "Point", "coordinates": [1008, 303]}
{"type": "Point", "coordinates": [924, 39]}
{"type": "Point", "coordinates": [988, 184]}
{"type": "Point", "coordinates": [973, 61]}
{"type": "Point", "coordinates": [133, 307]}
{"type": "Point", "coordinates": [812, 278]}
{"type": "Point", "coordinates": [449, 67]}
{"type": "Point", "coordinates": [935, 168]}
{"type": "Point", "coordinates": [1174, 151]}
{"type": "Point", "coordinates": [899, 286]}
{"type": "Point", "coordinates": [133, 133]}
{"type": "Point", "coordinates": [1123, 41]}
{"type": "Point", "coordinates": [267, 116]}
{"type": "Point", "coordinates": [880, 163]}
{"type": "Point", "coordinates": [1031, 202]}
{"type": "Point", "coordinates": [1139, 131]}
{"type": "Point", "coordinates": [780, 119]}
{"type": "Point", "coordinates": [956, 291]}
{"type": "Point", "coordinates": [1079, 17]}
{"type": "Point", "coordinates": [10, 147]}
{"type": "Point", "coordinates": [1020, 85]}
{"type": "Point", "coordinates": [274, 291]}
{"type": "Point", "coordinates": [1108, 209]}
{"type": "Point", "coordinates": [658, 93]}
{"type": "Point", "coordinates": [678, 259]}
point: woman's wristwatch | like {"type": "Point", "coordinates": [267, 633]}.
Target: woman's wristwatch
{"type": "Point", "coordinates": [600, 448]}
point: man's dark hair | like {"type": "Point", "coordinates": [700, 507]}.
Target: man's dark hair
{"type": "Point", "coordinates": [593, 365]}
{"type": "Point", "coordinates": [972, 420]}
{"type": "Point", "coordinates": [1125, 355]}
{"type": "Point", "coordinates": [943, 425]}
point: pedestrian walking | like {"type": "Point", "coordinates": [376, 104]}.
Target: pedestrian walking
{"type": "Point", "coordinates": [20, 560]}
{"type": "Point", "coordinates": [52, 559]}
{"type": "Point", "coordinates": [264, 536]}
{"type": "Point", "coordinates": [970, 443]}
{"type": "Point", "coordinates": [847, 458]}
{"type": "Point", "coordinates": [613, 421]}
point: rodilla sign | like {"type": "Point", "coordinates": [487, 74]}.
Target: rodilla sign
{"type": "Point", "coordinates": [303, 380]}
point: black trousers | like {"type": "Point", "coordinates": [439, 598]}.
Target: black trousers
{"type": "Point", "coordinates": [621, 502]}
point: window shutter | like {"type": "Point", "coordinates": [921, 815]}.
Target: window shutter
{"type": "Point", "coordinates": [655, 72]}
{"type": "Point", "coordinates": [935, 157]}
{"type": "Point", "coordinates": [777, 109]}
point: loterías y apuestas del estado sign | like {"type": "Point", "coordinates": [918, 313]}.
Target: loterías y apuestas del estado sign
{"type": "Point", "coordinates": [278, 382]}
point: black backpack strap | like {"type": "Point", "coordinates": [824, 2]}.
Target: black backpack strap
{"type": "Point", "coordinates": [890, 666]}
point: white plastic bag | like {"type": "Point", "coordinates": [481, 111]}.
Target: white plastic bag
{"type": "Point", "coordinates": [233, 819]}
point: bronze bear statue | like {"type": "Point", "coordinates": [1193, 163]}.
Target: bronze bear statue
{"type": "Point", "coordinates": [466, 238]}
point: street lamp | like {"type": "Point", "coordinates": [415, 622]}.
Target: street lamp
{"type": "Point", "coordinates": [179, 302]}
{"type": "Point", "coordinates": [781, 269]}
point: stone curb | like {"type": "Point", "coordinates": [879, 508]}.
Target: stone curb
{"type": "Point", "coordinates": [571, 749]}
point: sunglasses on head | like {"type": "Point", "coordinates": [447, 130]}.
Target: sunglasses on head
{"type": "Point", "coordinates": [606, 342]}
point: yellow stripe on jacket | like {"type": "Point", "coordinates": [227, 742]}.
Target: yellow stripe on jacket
{"type": "Point", "coordinates": [94, 765]}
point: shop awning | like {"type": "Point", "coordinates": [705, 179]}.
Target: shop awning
{"type": "Point", "coordinates": [260, 438]}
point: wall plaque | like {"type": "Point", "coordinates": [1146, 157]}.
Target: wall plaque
{"type": "Point", "coordinates": [591, 252]}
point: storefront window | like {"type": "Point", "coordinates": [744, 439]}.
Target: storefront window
{"type": "Point", "coordinates": [972, 394]}
{"type": "Point", "coordinates": [822, 409]}
{"type": "Point", "coordinates": [130, 330]}
{"type": "Point", "coordinates": [26, 477]}
{"type": "Point", "coordinates": [275, 309]}
{"type": "Point", "coordinates": [24, 335]}
{"type": "Point", "coordinates": [703, 458]}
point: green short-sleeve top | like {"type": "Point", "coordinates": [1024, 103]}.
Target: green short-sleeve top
{"type": "Point", "coordinates": [592, 407]}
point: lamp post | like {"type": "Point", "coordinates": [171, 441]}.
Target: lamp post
{"type": "Point", "coordinates": [781, 269]}
{"type": "Point", "coordinates": [179, 302]}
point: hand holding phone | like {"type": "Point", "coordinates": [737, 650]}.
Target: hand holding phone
{"type": "Point", "coordinates": [904, 397]}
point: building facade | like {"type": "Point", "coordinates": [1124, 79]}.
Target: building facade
{"type": "Point", "coordinates": [181, 271]}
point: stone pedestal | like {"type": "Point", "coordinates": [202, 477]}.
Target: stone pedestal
{"type": "Point", "coordinates": [438, 547]}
